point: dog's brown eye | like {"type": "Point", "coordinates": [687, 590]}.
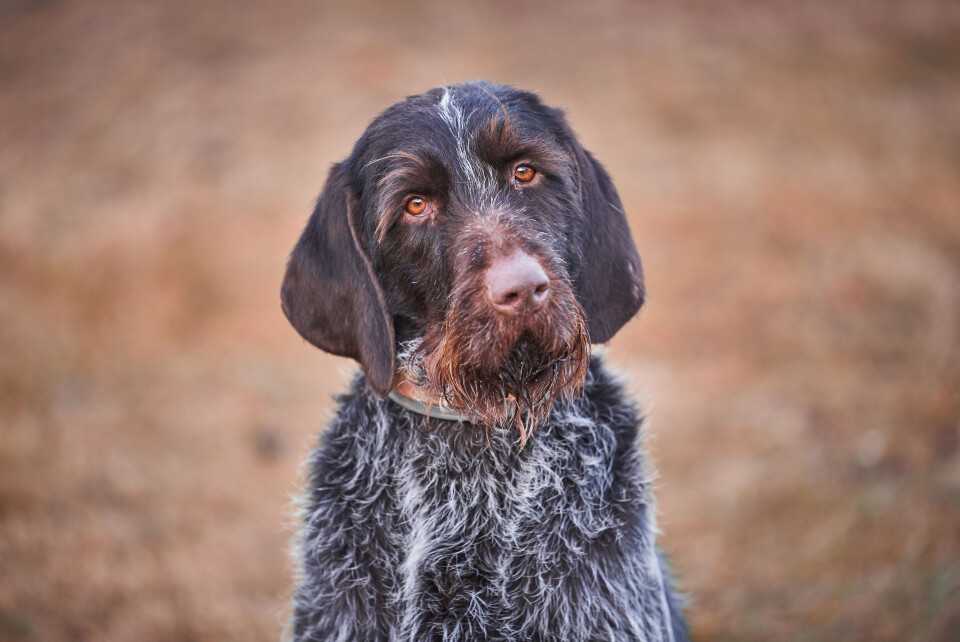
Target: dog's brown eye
{"type": "Point", "coordinates": [417, 206]}
{"type": "Point", "coordinates": [524, 173]}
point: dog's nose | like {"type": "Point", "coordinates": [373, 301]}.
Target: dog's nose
{"type": "Point", "coordinates": [517, 283]}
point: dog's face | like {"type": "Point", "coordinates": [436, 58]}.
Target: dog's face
{"type": "Point", "coordinates": [471, 227]}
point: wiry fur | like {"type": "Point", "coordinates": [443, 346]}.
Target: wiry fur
{"type": "Point", "coordinates": [416, 532]}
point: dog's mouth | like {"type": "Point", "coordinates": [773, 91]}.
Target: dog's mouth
{"type": "Point", "coordinates": [503, 370]}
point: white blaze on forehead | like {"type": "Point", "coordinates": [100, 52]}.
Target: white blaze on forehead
{"type": "Point", "coordinates": [479, 176]}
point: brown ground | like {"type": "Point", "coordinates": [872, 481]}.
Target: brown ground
{"type": "Point", "coordinates": [793, 180]}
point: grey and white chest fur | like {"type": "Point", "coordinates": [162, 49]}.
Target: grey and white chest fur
{"type": "Point", "coordinates": [416, 531]}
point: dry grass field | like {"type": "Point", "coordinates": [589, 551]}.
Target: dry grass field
{"type": "Point", "coordinates": [792, 175]}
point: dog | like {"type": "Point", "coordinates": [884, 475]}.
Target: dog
{"type": "Point", "coordinates": [483, 478]}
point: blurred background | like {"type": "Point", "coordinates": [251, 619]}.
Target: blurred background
{"type": "Point", "coordinates": [792, 175]}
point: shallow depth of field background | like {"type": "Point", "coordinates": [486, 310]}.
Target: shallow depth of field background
{"type": "Point", "coordinates": [792, 176]}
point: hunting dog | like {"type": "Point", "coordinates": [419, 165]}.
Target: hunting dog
{"type": "Point", "coordinates": [483, 478]}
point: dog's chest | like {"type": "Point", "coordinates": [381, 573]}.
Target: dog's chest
{"type": "Point", "coordinates": [439, 531]}
{"type": "Point", "coordinates": [458, 512]}
{"type": "Point", "coordinates": [486, 525]}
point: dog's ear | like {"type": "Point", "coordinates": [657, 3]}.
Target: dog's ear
{"type": "Point", "coordinates": [610, 286]}
{"type": "Point", "coordinates": [330, 293]}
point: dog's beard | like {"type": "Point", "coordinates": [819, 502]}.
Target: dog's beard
{"type": "Point", "coordinates": [503, 370]}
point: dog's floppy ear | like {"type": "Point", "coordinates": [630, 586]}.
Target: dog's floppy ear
{"type": "Point", "coordinates": [330, 293]}
{"type": "Point", "coordinates": [610, 286]}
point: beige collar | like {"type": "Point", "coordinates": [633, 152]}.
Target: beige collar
{"type": "Point", "coordinates": [406, 394]}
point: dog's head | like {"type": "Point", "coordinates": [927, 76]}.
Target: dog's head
{"type": "Point", "coordinates": [470, 224]}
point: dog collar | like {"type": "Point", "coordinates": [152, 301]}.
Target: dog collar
{"type": "Point", "coordinates": [429, 410]}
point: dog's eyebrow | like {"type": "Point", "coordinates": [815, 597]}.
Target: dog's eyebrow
{"type": "Point", "coordinates": [414, 168]}
{"type": "Point", "coordinates": [499, 142]}
{"type": "Point", "coordinates": [406, 155]}
{"type": "Point", "coordinates": [544, 154]}
{"type": "Point", "coordinates": [543, 151]}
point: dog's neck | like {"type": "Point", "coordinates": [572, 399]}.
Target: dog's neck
{"type": "Point", "coordinates": [407, 394]}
